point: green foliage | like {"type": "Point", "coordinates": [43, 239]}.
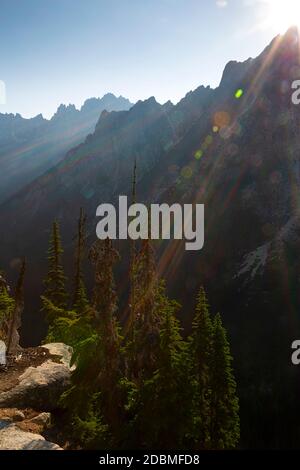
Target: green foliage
{"type": "Point", "coordinates": [6, 305]}
{"type": "Point", "coordinates": [201, 350]}
{"type": "Point", "coordinates": [55, 290]}
{"type": "Point", "coordinates": [91, 431]}
{"type": "Point", "coordinates": [145, 386]}
{"type": "Point", "coordinates": [159, 397]}
{"type": "Point", "coordinates": [143, 335]}
{"type": "Point", "coordinates": [6, 310]}
{"type": "Point", "coordinates": [80, 300]}
{"type": "Point", "coordinates": [68, 326]}
{"type": "Point", "coordinates": [98, 361]}
{"type": "Point", "coordinates": [87, 426]}
{"type": "Point", "coordinates": [65, 326]}
{"type": "Point", "coordinates": [225, 426]}
{"type": "Point", "coordinates": [214, 404]}
{"type": "Point", "coordinates": [185, 398]}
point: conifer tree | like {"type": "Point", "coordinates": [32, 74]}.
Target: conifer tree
{"type": "Point", "coordinates": [104, 256]}
{"type": "Point", "coordinates": [68, 326]}
{"type": "Point", "coordinates": [132, 269]}
{"type": "Point", "coordinates": [80, 301]}
{"type": "Point", "coordinates": [225, 427]}
{"type": "Point", "coordinates": [55, 290]}
{"type": "Point", "coordinates": [95, 393]}
{"type": "Point", "coordinates": [142, 347]}
{"type": "Point", "coordinates": [6, 308]}
{"type": "Point", "coordinates": [148, 318]}
{"type": "Point", "coordinates": [163, 401]}
{"type": "Point", "coordinates": [201, 356]}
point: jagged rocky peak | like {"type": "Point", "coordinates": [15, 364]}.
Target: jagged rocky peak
{"type": "Point", "coordinates": [196, 97]}
{"type": "Point", "coordinates": [39, 117]}
{"type": "Point", "coordinates": [234, 72]}
{"type": "Point", "coordinates": [110, 98]}
{"type": "Point", "coordinates": [109, 102]}
{"type": "Point", "coordinates": [168, 105]}
{"type": "Point", "coordinates": [145, 106]}
{"type": "Point", "coordinates": [64, 110]}
{"type": "Point", "coordinates": [286, 47]}
{"type": "Point", "coordinates": [280, 56]}
{"type": "Point", "coordinates": [17, 118]}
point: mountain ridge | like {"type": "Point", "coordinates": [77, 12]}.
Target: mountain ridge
{"type": "Point", "coordinates": [29, 147]}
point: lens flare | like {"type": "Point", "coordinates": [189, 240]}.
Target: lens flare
{"type": "Point", "coordinates": [281, 14]}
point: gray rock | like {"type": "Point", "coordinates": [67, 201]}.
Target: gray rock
{"type": "Point", "coordinates": [2, 353]}
{"type": "Point", "coordinates": [13, 438]}
{"type": "Point", "coordinates": [62, 350]}
{"type": "Point", "coordinates": [41, 387]}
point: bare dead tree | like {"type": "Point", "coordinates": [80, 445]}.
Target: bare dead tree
{"type": "Point", "coordinates": [13, 337]}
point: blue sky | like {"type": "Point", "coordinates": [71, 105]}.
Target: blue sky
{"type": "Point", "coordinates": [64, 51]}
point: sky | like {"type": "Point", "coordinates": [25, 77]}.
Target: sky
{"type": "Point", "coordinates": [65, 51]}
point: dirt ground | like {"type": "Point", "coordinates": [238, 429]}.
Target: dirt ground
{"type": "Point", "coordinates": [30, 357]}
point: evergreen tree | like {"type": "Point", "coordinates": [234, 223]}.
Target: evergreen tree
{"type": "Point", "coordinates": [157, 391]}
{"type": "Point", "coordinates": [66, 326]}
{"type": "Point", "coordinates": [148, 315]}
{"type": "Point", "coordinates": [163, 401]}
{"type": "Point", "coordinates": [201, 356]}
{"type": "Point", "coordinates": [142, 346]}
{"type": "Point", "coordinates": [225, 426]}
{"type": "Point", "coordinates": [55, 290]}
{"type": "Point", "coordinates": [132, 270]}
{"type": "Point", "coordinates": [103, 257]}
{"type": "Point", "coordinates": [80, 301]}
{"type": "Point", "coordinates": [6, 308]}
{"type": "Point", "coordinates": [95, 396]}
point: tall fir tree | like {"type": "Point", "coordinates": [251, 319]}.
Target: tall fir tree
{"type": "Point", "coordinates": [225, 424]}
{"type": "Point", "coordinates": [80, 300]}
{"type": "Point", "coordinates": [95, 393]}
{"type": "Point", "coordinates": [55, 290]}
{"type": "Point", "coordinates": [148, 319]}
{"type": "Point", "coordinates": [159, 396]}
{"type": "Point", "coordinates": [132, 268]}
{"type": "Point", "coordinates": [201, 356]}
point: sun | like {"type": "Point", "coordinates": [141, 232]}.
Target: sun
{"type": "Point", "coordinates": [281, 14]}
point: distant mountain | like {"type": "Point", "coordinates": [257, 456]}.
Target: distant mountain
{"type": "Point", "coordinates": [237, 150]}
{"type": "Point", "coordinates": [29, 147]}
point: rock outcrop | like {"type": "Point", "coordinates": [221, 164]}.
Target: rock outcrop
{"type": "Point", "coordinates": [13, 438]}
{"type": "Point", "coordinates": [38, 389]}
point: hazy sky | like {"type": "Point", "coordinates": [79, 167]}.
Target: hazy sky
{"type": "Point", "coordinates": [64, 51]}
